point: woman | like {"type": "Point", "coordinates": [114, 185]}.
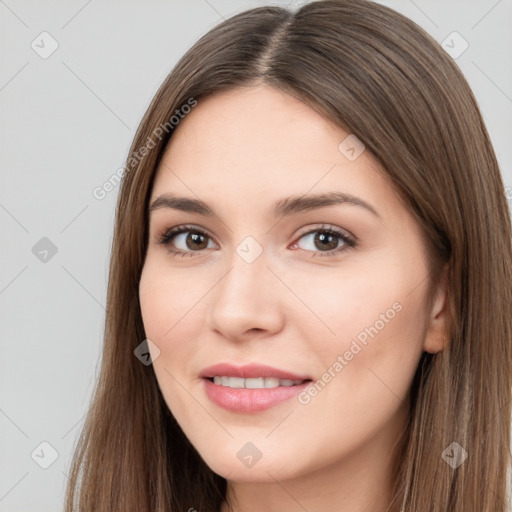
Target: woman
{"type": "Point", "coordinates": [313, 249]}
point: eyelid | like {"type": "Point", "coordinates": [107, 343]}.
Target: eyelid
{"type": "Point", "coordinates": [349, 240]}
{"type": "Point", "coordinates": [327, 227]}
{"type": "Point", "coordinates": [164, 236]}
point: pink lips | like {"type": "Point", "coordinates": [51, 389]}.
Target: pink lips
{"type": "Point", "coordinates": [245, 399]}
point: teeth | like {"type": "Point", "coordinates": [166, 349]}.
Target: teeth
{"type": "Point", "coordinates": [271, 382]}
{"type": "Point", "coordinates": [255, 382]}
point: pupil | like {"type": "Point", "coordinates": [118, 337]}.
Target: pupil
{"type": "Point", "coordinates": [195, 237]}
{"type": "Point", "coordinates": [326, 237]}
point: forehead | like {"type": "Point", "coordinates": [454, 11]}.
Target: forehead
{"type": "Point", "coordinates": [255, 122]}
{"type": "Point", "coordinates": [250, 145]}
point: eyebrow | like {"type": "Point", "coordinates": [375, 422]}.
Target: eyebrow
{"type": "Point", "coordinates": [282, 207]}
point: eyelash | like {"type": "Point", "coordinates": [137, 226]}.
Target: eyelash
{"type": "Point", "coordinates": [166, 237]}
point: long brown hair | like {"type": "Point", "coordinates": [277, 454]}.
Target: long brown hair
{"type": "Point", "coordinates": [382, 78]}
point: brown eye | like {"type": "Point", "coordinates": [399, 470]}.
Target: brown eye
{"type": "Point", "coordinates": [196, 241]}
{"type": "Point", "coordinates": [185, 240]}
{"type": "Point", "coordinates": [325, 241]}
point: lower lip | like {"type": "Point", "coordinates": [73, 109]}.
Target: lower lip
{"type": "Point", "coordinates": [250, 400]}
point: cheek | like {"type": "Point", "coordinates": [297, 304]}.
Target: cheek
{"type": "Point", "coordinates": [170, 324]}
{"type": "Point", "coordinates": [378, 304]}
{"type": "Point", "coordinates": [382, 353]}
{"type": "Point", "coordinates": [166, 299]}
{"type": "Point", "coordinates": [168, 314]}
{"type": "Point", "coordinates": [374, 324]}
{"type": "Point", "coordinates": [365, 372]}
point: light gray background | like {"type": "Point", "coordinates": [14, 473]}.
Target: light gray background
{"type": "Point", "coordinates": [67, 123]}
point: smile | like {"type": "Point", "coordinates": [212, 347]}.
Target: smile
{"type": "Point", "coordinates": [255, 382]}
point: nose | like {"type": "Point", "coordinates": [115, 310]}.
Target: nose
{"type": "Point", "coordinates": [246, 301]}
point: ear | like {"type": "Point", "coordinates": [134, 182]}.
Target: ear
{"type": "Point", "coordinates": [436, 338]}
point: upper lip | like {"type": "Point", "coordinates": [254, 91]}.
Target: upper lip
{"type": "Point", "coordinates": [249, 371]}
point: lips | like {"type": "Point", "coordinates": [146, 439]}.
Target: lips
{"type": "Point", "coordinates": [245, 400]}
{"type": "Point", "coordinates": [250, 371]}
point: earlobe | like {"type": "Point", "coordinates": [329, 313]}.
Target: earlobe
{"type": "Point", "coordinates": [436, 338]}
{"type": "Point", "coordinates": [433, 346]}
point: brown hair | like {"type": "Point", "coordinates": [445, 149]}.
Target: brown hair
{"type": "Point", "coordinates": [382, 78]}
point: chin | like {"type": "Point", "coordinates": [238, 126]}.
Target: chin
{"type": "Point", "coordinates": [243, 462]}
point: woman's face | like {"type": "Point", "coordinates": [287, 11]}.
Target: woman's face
{"type": "Point", "coordinates": [266, 284]}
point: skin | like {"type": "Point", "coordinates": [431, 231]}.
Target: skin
{"type": "Point", "coordinates": [292, 308]}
